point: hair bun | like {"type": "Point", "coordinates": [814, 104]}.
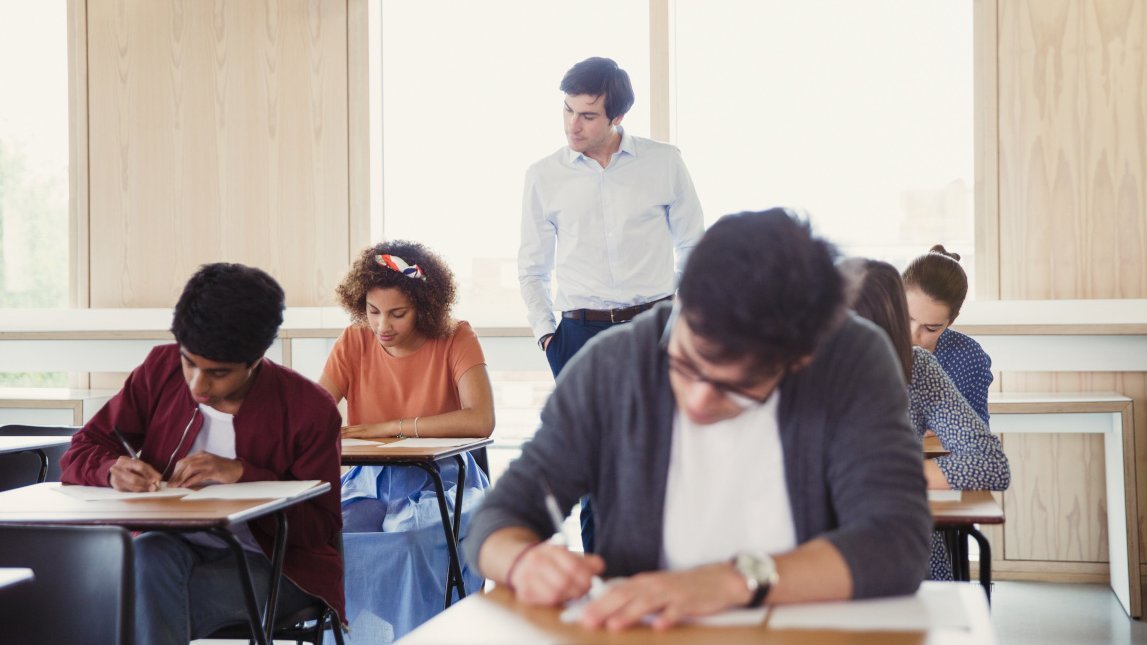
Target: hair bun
{"type": "Point", "coordinates": [939, 248]}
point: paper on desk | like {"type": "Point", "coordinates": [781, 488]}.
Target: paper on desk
{"type": "Point", "coordinates": [935, 606]}
{"type": "Point", "coordinates": [101, 493]}
{"type": "Point", "coordinates": [350, 441]}
{"type": "Point", "coordinates": [253, 490]}
{"type": "Point", "coordinates": [732, 618]}
{"type": "Point", "coordinates": [427, 442]}
{"type": "Point", "coordinates": [937, 495]}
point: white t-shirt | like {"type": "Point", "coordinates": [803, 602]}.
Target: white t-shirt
{"type": "Point", "coordinates": [217, 436]}
{"type": "Point", "coordinates": [726, 491]}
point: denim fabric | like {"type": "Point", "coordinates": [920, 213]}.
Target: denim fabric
{"type": "Point", "coordinates": [184, 591]}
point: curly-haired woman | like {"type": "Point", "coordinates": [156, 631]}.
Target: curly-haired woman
{"type": "Point", "coordinates": [406, 369]}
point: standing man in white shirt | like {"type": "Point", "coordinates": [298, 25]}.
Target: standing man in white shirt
{"type": "Point", "coordinates": [608, 211]}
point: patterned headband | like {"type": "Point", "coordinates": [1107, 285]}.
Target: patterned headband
{"type": "Point", "coordinates": [395, 263]}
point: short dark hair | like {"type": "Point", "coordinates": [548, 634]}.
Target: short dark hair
{"type": "Point", "coordinates": [601, 77]}
{"type": "Point", "coordinates": [229, 313]}
{"type": "Point", "coordinates": [432, 298]}
{"type": "Point", "coordinates": [939, 275]}
{"type": "Point", "coordinates": [761, 286]}
{"type": "Point", "coordinates": [880, 298]}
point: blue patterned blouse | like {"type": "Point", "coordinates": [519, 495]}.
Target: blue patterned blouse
{"type": "Point", "coordinates": [969, 367]}
{"type": "Point", "coordinates": [976, 460]}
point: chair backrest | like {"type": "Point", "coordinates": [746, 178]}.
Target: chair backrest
{"type": "Point", "coordinates": [22, 468]}
{"type": "Point", "coordinates": [83, 591]}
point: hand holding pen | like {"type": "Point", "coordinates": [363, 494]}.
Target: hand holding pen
{"type": "Point", "coordinates": [130, 473]}
{"type": "Point", "coordinates": [547, 573]}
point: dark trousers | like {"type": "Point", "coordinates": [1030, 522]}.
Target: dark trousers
{"type": "Point", "coordinates": [569, 337]}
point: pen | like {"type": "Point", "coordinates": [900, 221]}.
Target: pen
{"type": "Point", "coordinates": [127, 446]}
{"type": "Point", "coordinates": [555, 513]}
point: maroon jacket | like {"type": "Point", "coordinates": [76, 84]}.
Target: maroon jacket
{"type": "Point", "coordinates": [286, 429]}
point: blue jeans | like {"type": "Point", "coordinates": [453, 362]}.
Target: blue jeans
{"type": "Point", "coordinates": [570, 336]}
{"type": "Point", "coordinates": [185, 591]}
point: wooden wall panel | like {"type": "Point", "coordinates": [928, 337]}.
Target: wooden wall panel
{"type": "Point", "coordinates": [1072, 163]}
{"type": "Point", "coordinates": [1073, 148]}
{"type": "Point", "coordinates": [218, 132]}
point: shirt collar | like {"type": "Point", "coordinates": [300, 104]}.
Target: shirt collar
{"type": "Point", "coordinates": [627, 146]}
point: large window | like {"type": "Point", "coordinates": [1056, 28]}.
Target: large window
{"type": "Point", "coordinates": [34, 154]}
{"type": "Point", "coordinates": [470, 98]}
{"type": "Point", "coordinates": [34, 260]}
{"type": "Point", "coordinates": [858, 112]}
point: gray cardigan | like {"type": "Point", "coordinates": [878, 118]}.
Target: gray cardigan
{"type": "Point", "coordinates": [852, 461]}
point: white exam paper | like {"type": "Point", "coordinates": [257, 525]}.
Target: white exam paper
{"type": "Point", "coordinates": [103, 493]}
{"type": "Point", "coordinates": [349, 441]}
{"type": "Point", "coordinates": [253, 490]}
{"type": "Point", "coordinates": [426, 442]}
{"type": "Point", "coordinates": [937, 495]}
{"type": "Point", "coordinates": [935, 606]}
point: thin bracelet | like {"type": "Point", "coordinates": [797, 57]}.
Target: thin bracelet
{"type": "Point", "coordinates": [416, 427]}
{"type": "Point", "coordinates": [400, 435]}
{"type": "Point", "coordinates": [514, 564]}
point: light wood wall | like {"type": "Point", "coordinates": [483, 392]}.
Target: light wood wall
{"type": "Point", "coordinates": [1072, 163]}
{"type": "Point", "coordinates": [222, 131]}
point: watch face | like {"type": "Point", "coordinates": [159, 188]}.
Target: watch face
{"type": "Point", "coordinates": [761, 569]}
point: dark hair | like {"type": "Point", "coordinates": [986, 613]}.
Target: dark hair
{"type": "Point", "coordinates": [939, 275]}
{"type": "Point", "coordinates": [601, 77]}
{"type": "Point", "coordinates": [432, 298]}
{"type": "Point", "coordinates": [228, 313]}
{"type": "Point", "coordinates": [880, 298]}
{"type": "Point", "coordinates": [760, 285]}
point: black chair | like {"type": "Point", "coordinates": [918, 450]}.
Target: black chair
{"type": "Point", "coordinates": [23, 468]}
{"type": "Point", "coordinates": [303, 626]}
{"type": "Point", "coordinates": [83, 591]}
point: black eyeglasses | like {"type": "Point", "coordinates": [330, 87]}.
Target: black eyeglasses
{"type": "Point", "coordinates": [738, 395]}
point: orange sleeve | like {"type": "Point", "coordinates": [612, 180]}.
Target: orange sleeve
{"type": "Point", "coordinates": [465, 351]}
{"type": "Point", "coordinates": [340, 363]}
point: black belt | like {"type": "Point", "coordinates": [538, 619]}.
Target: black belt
{"type": "Point", "coordinates": [624, 314]}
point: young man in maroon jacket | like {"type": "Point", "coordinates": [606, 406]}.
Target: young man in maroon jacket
{"type": "Point", "coordinates": [210, 408]}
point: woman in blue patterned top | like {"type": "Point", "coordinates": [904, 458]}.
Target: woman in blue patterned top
{"type": "Point", "coordinates": [936, 285]}
{"type": "Point", "coordinates": [975, 459]}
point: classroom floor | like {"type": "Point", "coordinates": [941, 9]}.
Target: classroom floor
{"type": "Point", "coordinates": [1043, 613]}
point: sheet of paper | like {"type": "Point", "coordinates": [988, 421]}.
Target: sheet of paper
{"type": "Point", "coordinates": [427, 442]}
{"type": "Point", "coordinates": [350, 441]}
{"type": "Point", "coordinates": [944, 495]}
{"type": "Point", "coordinates": [935, 606]}
{"type": "Point", "coordinates": [253, 490]}
{"type": "Point", "coordinates": [733, 618]}
{"type": "Point", "coordinates": [98, 493]}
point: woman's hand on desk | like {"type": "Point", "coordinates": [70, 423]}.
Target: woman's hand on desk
{"type": "Point", "coordinates": [203, 468]}
{"type": "Point", "coordinates": [370, 430]}
{"type": "Point", "coordinates": [133, 476]}
{"type": "Point", "coordinates": [667, 597]}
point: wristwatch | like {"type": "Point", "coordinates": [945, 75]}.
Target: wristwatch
{"type": "Point", "coordinates": [760, 574]}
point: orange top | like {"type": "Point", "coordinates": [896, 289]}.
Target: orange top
{"type": "Point", "coordinates": [379, 387]}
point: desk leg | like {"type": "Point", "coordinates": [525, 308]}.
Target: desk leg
{"type": "Point", "coordinates": [455, 570]}
{"type": "Point", "coordinates": [985, 561]}
{"type": "Point", "coordinates": [257, 632]}
{"type": "Point", "coordinates": [277, 555]}
{"type": "Point", "coordinates": [43, 476]}
{"type": "Point", "coordinates": [458, 490]}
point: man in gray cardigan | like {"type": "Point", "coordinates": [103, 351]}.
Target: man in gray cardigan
{"type": "Point", "coordinates": [752, 445]}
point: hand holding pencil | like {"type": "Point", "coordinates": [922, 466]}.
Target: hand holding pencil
{"type": "Point", "coordinates": [130, 473]}
{"type": "Point", "coordinates": [547, 573]}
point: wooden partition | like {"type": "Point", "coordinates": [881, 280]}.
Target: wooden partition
{"type": "Point", "coordinates": [221, 131]}
{"type": "Point", "coordinates": [1072, 164]}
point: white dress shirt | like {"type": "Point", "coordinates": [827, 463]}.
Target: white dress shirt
{"type": "Point", "coordinates": [726, 491]}
{"type": "Point", "coordinates": [610, 233]}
